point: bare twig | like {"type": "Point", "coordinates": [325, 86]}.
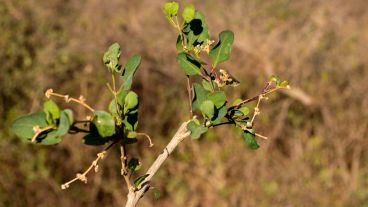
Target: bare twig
{"type": "Point", "coordinates": [124, 170]}
{"type": "Point", "coordinates": [83, 176]}
{"type": "Point", "coordinates": [147, 136]}
{"type": "Point", "coordinates": [38, 131]}
{"type": "Point", "coordinates": [135, 194]}
{"type": "Point", "coordinates": [81, 100]}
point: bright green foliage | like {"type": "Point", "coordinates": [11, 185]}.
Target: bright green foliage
{"type": "Point", "coordinates": [104, 123]}
{"type": "Point", "coordinates": [111, 58]}
{"type": "Point", "coordinates": [208, 108]}
{"type": "Point", "coordinates": [131, 102]}
{"type": "Point", "coordinates": [129, 71]}
{"type": "Point", "coordinates": [207, 85]}
{"type": "Point", "coordinates": [52, 111]}
{"type": "Point", "coordinates": [250, 140]}
{"type": "Point", "coordinates": [221, 52]}
{"type": "Point", "coordinates": [64, 124]}
{"type": "Point", "coordinates": [244, 110]}
{"type": "Point", "coordinates": [218, 98]}
{"type": "Point", "coordinates": [196, 129]}
{"type": "Point", "coordinates": [199, 95]}
{"type": "Point", "coordinates": [188, 64]}
{"type": "Point", "coordinates": [188, 13]}
{"type": "Point", "coordinates": [132, 134]}
{"type": "Point", "coordinates": [171, 8]}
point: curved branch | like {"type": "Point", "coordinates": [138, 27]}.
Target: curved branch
{"type": "Point", "coordinates": [135, 194]}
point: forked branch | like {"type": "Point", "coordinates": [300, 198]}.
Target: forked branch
{"type": "Point", "coordinates": [135, 194]}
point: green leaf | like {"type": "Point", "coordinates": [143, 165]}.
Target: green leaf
{"type": "Point", "coordinates": [196, 129]}
{"type": "Point", "coordinates": [23, 126]}
{"type": "Point", "coordinates": [111, 57]}
{"type": "Point", "coordinates": [196, 31]}
{"type": "Point", "coordinates": [244, 110]}
{"type": "Point", "coordinates": [131, 102]}
{"type": "Point", "coordinates": [104, 123]}
{"type": "Point", "coordinates": [188, 13]}
{"type": "Point", "coordinates": [221, 52]}
{"type": "Point", "coordinates": [199, 95]}
{"type": "Point", "coordinates": [218, 98]}
{"type": "Point", "coordinates": [188, 64]}
{"type": "Point", "coordinates": [120, 96]}
{"type": "Point", "coordinates": [49, 138]}
{"type": "Point", "coordinates": [219, 115]}
{"type": "Point", "coordinates": [139, 180]}
{"type": "Point", "coordinates": [70, 115]}
{"type": "Point", "coordinates": [170, 8]}
{"type": "Point", "coordinates": [208, 108]}
{"type": "Point", "coordinates": [52, 111]}
{"type": "Point", "coordinates": [132, 135]}
{"type": "Point", "coordinates": [129, 71]}
{"type": "Point", "coordinates": [207, 85]}
{"type": "Point", "coordinates": [134, 164]}
{"type": "Point", "coordinates": [64, 124]}
{"type": "Point", "coordinates": [113, 109]}
{"type": "Point", "coordinates": [284, 83]}
{"type": "Point", "coordinates": [237, 101]}
{"type": "Point", "coordinates": [250, 140]}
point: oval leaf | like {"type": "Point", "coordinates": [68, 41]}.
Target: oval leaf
{"type": "Point", "coordinates": [129, 71]}
{"type": "Point", "coordinates": [188, 64]}
{"type": "Point", "coordinates": [131, 102]}
{"type": "Point", "coordinates": [111, 57]}
{"type": "Point", "coordinates": [250, 140]}
{"type": "Point", "coordinates": [23, 126]}
{"type": "Point", "coordinates": [199, 95]}
{"type": "Point", "coordinates": [188, 13]}
{"type": "Point", "coordinates": [221, 52]}
{"type": "Point", "coordinates": [170, 8]}
{"type": "Point", "coordinates": [208, 108]}
{"type": "Point", "coordinates": [218, 98]}
{"type": "Point", "coordinates": [64, 124]}
{"type": "Point", "coordinates": [52, 111]}
{"type": "Point", "coordinates": [104, 123]}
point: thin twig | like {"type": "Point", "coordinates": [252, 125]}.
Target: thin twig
{"type": "Point", "coordinates": [147, 136]}
{"type": "Point", "coordinates": [82, 176]}
{"type": "Point", "coordinates": [68, 99]}
{"type": "Point", "coordinates": [38, 131]}
{"type": "Point", "coordinates": [124, 171]}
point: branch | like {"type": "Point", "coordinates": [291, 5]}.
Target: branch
{"type": "Point", "coordinates": [135, 194]}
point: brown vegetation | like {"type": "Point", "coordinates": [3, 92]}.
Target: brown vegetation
{"type": "Point", "coordinates": [316, 151]}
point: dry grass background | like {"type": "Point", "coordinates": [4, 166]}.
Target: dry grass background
{"type": "Point", "coordinates": [317, 151]}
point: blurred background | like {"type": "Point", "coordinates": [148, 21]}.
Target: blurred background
{"type": "Point", "coordinates": [316, 154]}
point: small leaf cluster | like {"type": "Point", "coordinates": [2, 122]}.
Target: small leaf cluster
{"type": "Point", "coordinates": [49, 125]}
{"type": "Point", "coordinates": [119, 122]}
{"type": "Point", "coordinates": [201, 61]}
